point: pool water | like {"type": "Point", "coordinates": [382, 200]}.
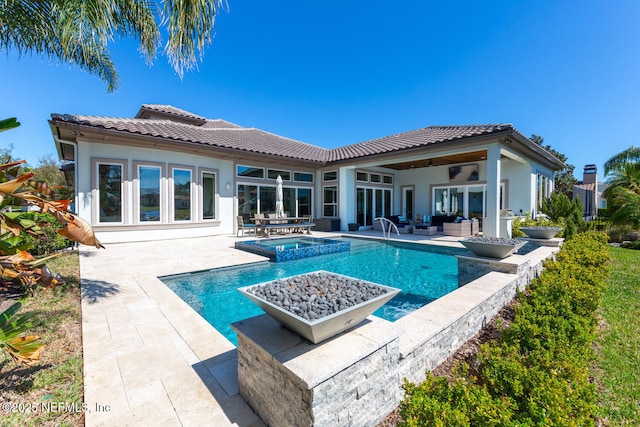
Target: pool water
{"type": "Point", "coordinates": [423, 272]}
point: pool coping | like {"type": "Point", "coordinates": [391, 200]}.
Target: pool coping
{"type": "Point", "coordinates": [150, 356]}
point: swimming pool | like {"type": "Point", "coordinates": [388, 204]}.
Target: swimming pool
{"type": "Point", "coordinates": [423, 272]}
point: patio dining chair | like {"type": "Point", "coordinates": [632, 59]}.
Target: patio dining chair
{"type": "Point", "coordinates": [244, 227]}
{"type": "Point", "coordinates": [261, 226]}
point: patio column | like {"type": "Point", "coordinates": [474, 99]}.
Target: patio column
{"type": "Point", "coordinates": [491, 223]}
{"type": "Point", "coordinates": [346, 197]}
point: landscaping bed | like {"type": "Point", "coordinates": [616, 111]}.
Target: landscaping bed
{"type": "Point", "coordinates": [49, 393]}
{"type": "Point", "coordinates": [535, 370]}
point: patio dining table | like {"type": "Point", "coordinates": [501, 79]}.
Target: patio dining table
{"type": "Point", "coordinates": [283, 223]}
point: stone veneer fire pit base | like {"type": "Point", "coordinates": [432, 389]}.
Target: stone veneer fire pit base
{"type": "Point", "coordinates": [348, 380]}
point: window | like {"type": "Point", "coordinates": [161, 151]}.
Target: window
{"type": "Point", "coordinates": [362, 176]}
{"type": "Point", "coordinates": [387, 179]}
{"type": "Point", "coordinates": [289, 201]}
{"type": "Point", "coordinates": [468, 201]}
{"type": "Point", "coordinates": [181, 194]}
{"type": "Point", "coordinates": [476, 198]}
{"type": "Point", "coordinates": [149, 193]}
{"type": "Point", "coordinates": [375, 177]}
{"type": "Point", "coordinates": [273, 174]}
{"type": "Point", "coordinates": [250, 172]}
{"type": "Point", "coordinates": [330, 176]}
{"type": "Point", "coordinates": [247, 200]}
{"type": "Point", "coordinates": [110, 192]}
{"type": "Point", "coordinates": [267, 199]}
{"type": "Point", "coordinates": [330, 201]}
{"type": "Point", "coordinates": [208, 195]}
{"type": "Point", "coordinates": [304, 201]}
{"type": "Point", "coordinates": [253, 199]}
{"type": "Point", "coordinates": [303, 177]}
{"type": "Point", "coordinates": [543, 188]}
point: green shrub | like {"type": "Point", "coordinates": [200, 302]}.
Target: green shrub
{"type": "Point", "coordinates": [561, 209]}
{"type": "Point", "coordinates": [631, 245]}
{"type": "Point", "coordinates": [537, 372]}
{"type": "Point", "coordinates": [435, 402]}
{"type": "Point", "coordinates": [46, 239]}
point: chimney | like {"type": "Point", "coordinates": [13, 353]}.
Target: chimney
{"type": "Point", "coordinates": [590, 174]}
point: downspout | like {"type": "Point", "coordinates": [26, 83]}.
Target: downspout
{"type": "Point", "coordinates": [75, 168]}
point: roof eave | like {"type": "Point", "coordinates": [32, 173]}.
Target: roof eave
{"type": "Point", "coordinates": [106, 133]}
{"type": "Point", "coordinates": [552, 160]}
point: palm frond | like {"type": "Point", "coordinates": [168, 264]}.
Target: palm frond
{"type": "Point", "coordinates": [190, 24]}
{"type": "Point", "coordinates": [78, 32]}
{"type": "Point", "coordinates": [10, 123]}
{"type": "Point", "coordinates": [26, 26]}
{"type": "Point", "coordinates": [136, 18]}
{"type": "Point", "coordinates": [620, 160]}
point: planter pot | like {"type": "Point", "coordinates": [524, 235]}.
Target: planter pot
{"type": "Point", "coordinates": [323, 328]}
{"type": "Point", "coordinates": [540, 232]}
{"type": "Point", "coordinates": [492, 247]}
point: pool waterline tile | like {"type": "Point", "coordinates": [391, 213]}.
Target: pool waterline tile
{"type": "Point", "coordinates": [290, 248]}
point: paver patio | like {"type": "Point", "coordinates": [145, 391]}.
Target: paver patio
{"type": "Point", "coordinates": [148, 357]}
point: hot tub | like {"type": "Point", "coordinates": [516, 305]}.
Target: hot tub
{"type": "Point", "coordinates": [289, 248]}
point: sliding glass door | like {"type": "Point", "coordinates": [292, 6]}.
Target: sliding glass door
{"type": "Point", "coordinates": [372, 203]}
{"type": "Point", "coordinates": [253, 199]}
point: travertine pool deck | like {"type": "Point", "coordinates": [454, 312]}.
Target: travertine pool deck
{"type": "Point", "coordinates": [148, 357]}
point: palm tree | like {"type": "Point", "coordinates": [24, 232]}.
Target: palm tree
{"type": "Point", "coordinates": [77, 32]}
{"type": "Point", "coordinates": [623, 193]}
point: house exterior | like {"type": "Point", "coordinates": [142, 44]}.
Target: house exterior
{"type": "Point", "coordinates": [589, 191]}
{"type": "Point", "coordinates": [169, 173]}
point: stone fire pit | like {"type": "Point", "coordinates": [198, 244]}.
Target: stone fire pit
{"type": "Point", "coordinates": [492, 247]}
{"type": "Point", "coordinates": [321, 304]}
{"type": "Point", "coordinates": [541, 232]}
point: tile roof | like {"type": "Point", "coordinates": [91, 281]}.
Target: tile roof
{"type": "Point", "coordinates": [220, 133]}
{"type": "Point", "coordinates": [415, 138]}
{"type": "Point", "coordinates": [170, 110]}
{"type": "Point", "coordinates": [215, 133]}
{"type": "Point", "coordinates": [219, 123]}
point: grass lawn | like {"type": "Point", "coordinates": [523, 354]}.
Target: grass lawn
{"type": "Point", "coordinates": [617, 370]}
{"type": "Point", "coordinates": [53, 388]}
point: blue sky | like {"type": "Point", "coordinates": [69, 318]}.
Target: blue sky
{"type": "Point", "coordinates": [336, 73]}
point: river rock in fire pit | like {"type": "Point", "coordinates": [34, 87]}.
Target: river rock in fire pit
{"type": "Point", "coordinates": [321, 304]}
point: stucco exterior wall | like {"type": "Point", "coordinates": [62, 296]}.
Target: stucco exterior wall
{"type": "Point", "coordinates": [130, 230]}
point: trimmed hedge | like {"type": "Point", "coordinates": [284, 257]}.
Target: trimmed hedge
{"type": "Point", "coordinates": [536, 374]}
